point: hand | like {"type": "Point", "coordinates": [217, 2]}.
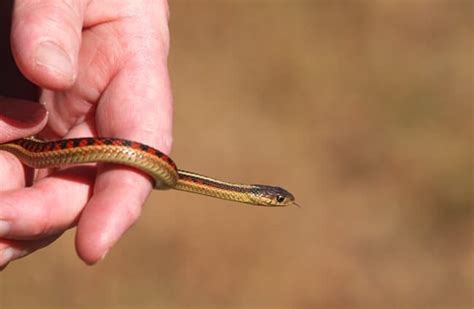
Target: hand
{"type": "Point", "coordinates": [105, 65]}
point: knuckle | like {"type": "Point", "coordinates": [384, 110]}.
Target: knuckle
{"type": "Point", "coordinates": [41, 224]}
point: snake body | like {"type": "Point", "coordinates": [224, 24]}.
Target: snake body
{"type": "Point", "coordinates": [40, 154]}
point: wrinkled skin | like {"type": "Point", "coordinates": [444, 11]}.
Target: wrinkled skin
{"type": "Point", "coordinates": [101, 67]}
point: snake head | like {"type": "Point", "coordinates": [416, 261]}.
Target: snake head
{"type": "Point", "coordinates": [272, 196]}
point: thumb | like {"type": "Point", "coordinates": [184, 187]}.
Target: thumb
{"type": "Point", "coordinates": [20, 118]}
{"type": "Point", "coordinates": [46, 36]}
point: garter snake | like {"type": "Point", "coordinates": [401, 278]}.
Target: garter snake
{"type": "Point", "coordinates": [43, 154]}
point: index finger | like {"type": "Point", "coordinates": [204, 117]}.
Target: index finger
{"type": "Point", "coordinates": [136, 105]}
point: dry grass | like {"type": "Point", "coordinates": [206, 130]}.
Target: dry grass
{"type": "Point", "coordinates": [362, 108]}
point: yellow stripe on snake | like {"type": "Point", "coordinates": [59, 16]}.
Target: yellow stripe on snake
{"type": "Point", "coordinates": [39, 154]}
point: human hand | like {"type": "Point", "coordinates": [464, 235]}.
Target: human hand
{"type": "Point", "coordinates": [102, 70]}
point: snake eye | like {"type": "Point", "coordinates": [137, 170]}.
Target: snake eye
{"type": "Point", "coordinates": [280, 198]}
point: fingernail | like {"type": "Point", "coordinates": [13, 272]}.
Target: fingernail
{"type": "Point", "coordinates": [4, 228]}
{"type": "Point", "coordinates": [6, 255]}
{"type": "Point", "coordinates": [104, 255]}
{"type": "Point", "coordinates": [22, 112]}
{"type": "Point", "coordinates": [54, 58]}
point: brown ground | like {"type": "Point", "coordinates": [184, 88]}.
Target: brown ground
{"type": "Point", "coordinates": [363, 109]}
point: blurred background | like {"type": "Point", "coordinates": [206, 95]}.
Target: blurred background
{"type": "Point", "coordinates": [362, 109]}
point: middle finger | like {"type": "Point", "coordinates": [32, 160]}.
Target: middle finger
{"type": "Point", "coordinates": [49, 207]}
